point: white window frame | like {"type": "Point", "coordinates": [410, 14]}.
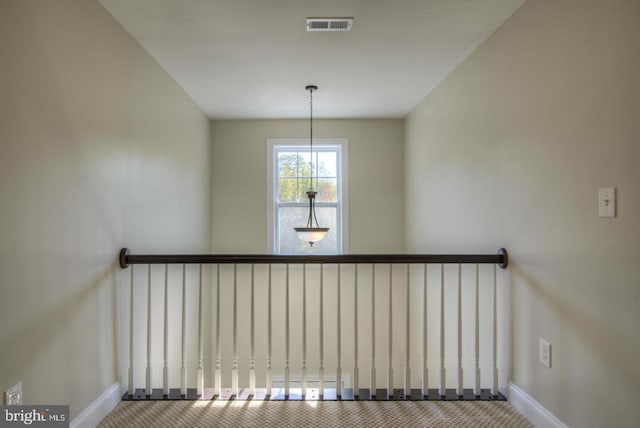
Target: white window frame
{"type": "Point", "coordinates": [342, 144]}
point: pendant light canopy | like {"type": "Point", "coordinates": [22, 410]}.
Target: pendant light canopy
{"type": "Point", "coordinates": [309, 233]}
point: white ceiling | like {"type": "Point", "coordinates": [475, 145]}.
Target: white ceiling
{"type": "Point", "coordinates": [253, 58]}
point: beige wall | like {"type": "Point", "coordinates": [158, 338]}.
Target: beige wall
{"type": "Point", "coordinates": [376, 181]}
{"type": "Point", "coordinates": [99, 149]}
{"type": "Point", "coordinates": [510, 150]}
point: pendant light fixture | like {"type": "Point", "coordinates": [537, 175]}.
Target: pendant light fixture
{"type": "Point", "coordinates": [309, 233]}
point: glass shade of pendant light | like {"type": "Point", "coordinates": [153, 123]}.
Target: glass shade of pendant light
{"type": "Point", "coordinates": [312, 232]}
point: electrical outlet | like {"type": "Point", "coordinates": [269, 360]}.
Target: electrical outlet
{"type": "Point", "coordinates": [545, 353]}
{"type": "Point", "coordinates": [13, 395]}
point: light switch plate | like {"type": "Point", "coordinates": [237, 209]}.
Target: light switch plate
{"type": "Point", "coordinates": [544, 350]}
{"type": "Point", "coordinates": [607, 202]}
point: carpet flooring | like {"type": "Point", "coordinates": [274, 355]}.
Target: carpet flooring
{"type": "Point", "coordinates": [266, 414]}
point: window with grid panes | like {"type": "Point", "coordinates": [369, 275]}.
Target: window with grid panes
{"type": "Point", "coordinates": [291, 180]}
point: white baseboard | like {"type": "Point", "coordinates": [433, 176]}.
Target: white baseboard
{"type": "Point", "coordinates": [532, 410]}
{"type": "Point", "coordinates": [91, 416]}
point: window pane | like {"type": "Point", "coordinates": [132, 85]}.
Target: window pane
{"type": "Point", "coordinates": [327, 164]}
{"type": "Point", "coordinates": [303, 186]}
{"type": "Point", "coordinates": [327, 217]}
{"type": "Point", "coordinates": [290, 217]}
{"type": "Point", "coordinates": [327, 190]}
{"type": "Point", "coordinates": [304, 169]}
{"type": "Point", "coordinates": [287, 164]}
{"type": "Point", "coordinates": [287, 189]}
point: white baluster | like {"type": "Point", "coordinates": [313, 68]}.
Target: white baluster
{"type": "Point", "coordinates": [373, 331]}
{"type": "Point", "coordinates": [165, 362]}
{"type": "Point", "coordinates": [460, 378]}
{"type": "Point", "coordinates": [304, 330]}
{"type": "Point", "coordinates": [495, 334]}
{"type": "Point", "coordinates": [477, 357]}
{"type": "Point", "coordinates": [234, 362]}
{"type": "Point", "coordinates": [425, 369]}
{"type": "Point", "coordinates": [269, 342]}
{"type": "Point", "coordinates": [339, 341]}
{"type": "Point", "coordinates": [200, 372]}
{"type": "Point", "coordinates": [131, 337]}
{"type": "Point", "coordinates": [407, 360]}
{"type": "Point", "coordinates": [286, 335]}
{"type": "Point", "coordinates": [218, 374]}
{"type": "Point", "coordinates": [356, 380]}
{"type": "Point", "coordinates": [183, 367]}
{"type": "Point", "coordinates": [443, 373]}
{"type": "Point", "coordinates": [148, 371]}
{"type": "Point", "coordinates": [321, 369]}
{"type": "Point", "coordinates": [390, 350]}
{"type": "Point", "coordinates": [252, 357]}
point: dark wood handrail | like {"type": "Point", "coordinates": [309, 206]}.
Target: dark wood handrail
{"type": "Point", "coordinates": [126, 258]}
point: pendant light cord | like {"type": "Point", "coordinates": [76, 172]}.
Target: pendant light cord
{"type": "Point", "coordinates": [311, 134]}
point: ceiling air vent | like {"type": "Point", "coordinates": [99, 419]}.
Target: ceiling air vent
{"type": "Point", "coordinates": [329, 24]}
